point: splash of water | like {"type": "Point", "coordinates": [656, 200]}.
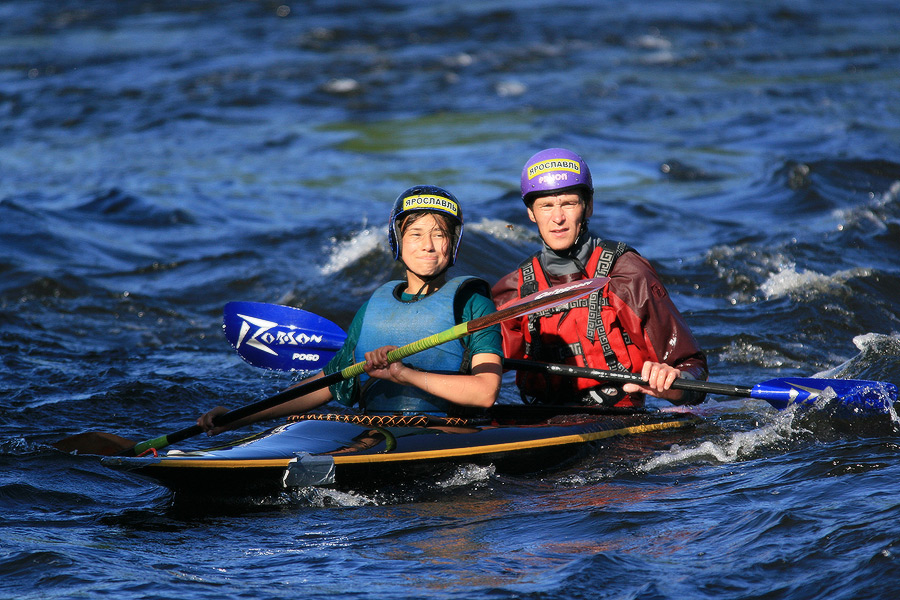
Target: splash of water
{"type": "Point", "coordinates": [466, 475]}
{"type": "Point", "coordinates": [321, 497]}
{"type": "Point", "coordinates": [789, 280]}
{"type": "Point", "coordinates": [734, 447]}
{"type": "Point", "coordinates": [351, 251]}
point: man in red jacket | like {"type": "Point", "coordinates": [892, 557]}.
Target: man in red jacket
{"type": "Point", "coordinates": [631, 326]}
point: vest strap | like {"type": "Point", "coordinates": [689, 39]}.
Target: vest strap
{"type": "Point", "coordinates": [530, 283]}
{"type": "Point", "coordinates": [609, 253]}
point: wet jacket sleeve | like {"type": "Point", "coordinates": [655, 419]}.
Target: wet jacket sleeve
{"type": "Point", "coordinates": [647, 313]}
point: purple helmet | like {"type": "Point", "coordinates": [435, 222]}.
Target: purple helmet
{"type": "Point", "coordinates": [429, 198]}
{"type": "Point", "coordinates": [555, 169]}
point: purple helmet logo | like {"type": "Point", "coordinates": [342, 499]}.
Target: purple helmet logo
{"type": "Point", "coordinates": [552, 170]}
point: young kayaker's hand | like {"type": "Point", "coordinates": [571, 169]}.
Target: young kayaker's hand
{"type": "Point", "coordinates": [205, 422]}
{"type": "Point", "coordinates": [659, 378]}
{"type": "Point", "coordinates": [378, 366]}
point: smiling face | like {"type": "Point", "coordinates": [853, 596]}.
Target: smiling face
{"type": "Point", "coordinates": [559, 218]}
{"type": "Point", "coordinates": [424, 246]}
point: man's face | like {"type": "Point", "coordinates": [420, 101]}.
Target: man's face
{"type": "Point", "coordinates": [559, 218]}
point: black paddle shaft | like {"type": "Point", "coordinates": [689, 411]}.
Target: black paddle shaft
{"type": "Point", "coordinates": [236, 414]}
{"type": "Point", "coordinates": [680, 383]}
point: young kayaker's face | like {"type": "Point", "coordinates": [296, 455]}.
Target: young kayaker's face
{"type": "Point", "coordinates": [425, 246]}
{"type": "Point", "coordinates": [559, 218]}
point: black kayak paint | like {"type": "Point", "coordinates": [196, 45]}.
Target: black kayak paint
{"type": "Point", "coordinates": [334, 453]}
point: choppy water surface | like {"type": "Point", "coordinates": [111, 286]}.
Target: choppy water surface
{"type": "Point", "coordinates": [158, 160]}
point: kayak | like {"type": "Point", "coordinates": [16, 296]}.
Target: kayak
{"type": "Point", "coordinates": [359, 451]}
{"type": "Point", "coordinates": [350, 452]}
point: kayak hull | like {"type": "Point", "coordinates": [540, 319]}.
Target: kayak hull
{"type": "Point", "coordinates": [355, 456]}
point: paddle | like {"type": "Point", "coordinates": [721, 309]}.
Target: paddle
{"type": "Point", "coordinates": [281, 338]}
{"type": "Point", "coordinates": [865, 395]}
{"type": "Point", "coordinates": [99, 443]}
{"type": "Point", "coordinates": [780, 393]}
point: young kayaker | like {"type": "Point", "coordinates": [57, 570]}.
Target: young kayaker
{"type": "Point", "coordinates": [631, 326]}
{"type": "Point", "coordinates": [424, 232]}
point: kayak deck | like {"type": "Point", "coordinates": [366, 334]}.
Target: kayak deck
{"type": "Point", "coordinates": [348, 455]}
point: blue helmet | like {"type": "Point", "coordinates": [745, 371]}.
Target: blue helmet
{"type": "Point", "coordinates": [426, 198]}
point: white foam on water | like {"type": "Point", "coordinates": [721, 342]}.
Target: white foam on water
{"type": "Point", "coordinates": [872, 346]}
{"type": "Point", "coordinates": [879, 343]}
{"type": "Point", "coordinates": [733, 448]}
{"type": "Point", "coordinates": [467, 475]}
{"type": "Point", "coordinates": [326, 497]}
{"type": "Point", "coordinates": [789, 281]}
{"type": "Point", "coordinates": [351, 251]}
{"type": "Point", "coordinates": [779, 274]}
{"type": "Point", "coordinates": [20, 446]}
{"type": "Point", "coordinates": [744, 352]}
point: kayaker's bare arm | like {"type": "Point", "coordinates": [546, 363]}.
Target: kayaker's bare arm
{"type": "Point", "coordinates": [659, 378]}
{"type": "Point", "coordinates": [291, 407]}
{"type": "Point", "coordinates": [480, 389]}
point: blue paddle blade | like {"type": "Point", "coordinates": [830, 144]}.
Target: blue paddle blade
{"type": "Point", "coordinates": [281, 338]}
{"type": "Point", "coordinates": [868, 396]}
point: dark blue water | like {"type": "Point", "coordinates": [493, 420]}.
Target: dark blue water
{"type": "Point", "coordinates": [158, 160]}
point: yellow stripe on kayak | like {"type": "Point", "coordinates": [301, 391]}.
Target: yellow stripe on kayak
{"type": "Point", "coordinates": [576, 438]}
{"type": "Point", "coordinates": [347, 459]}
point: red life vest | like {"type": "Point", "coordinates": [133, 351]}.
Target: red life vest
{"type": "Point", "coordinates": [586, 332]}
